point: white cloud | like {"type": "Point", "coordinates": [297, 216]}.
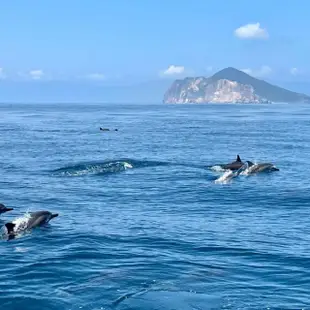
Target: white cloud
{"type": "Point", "coordinates": [263, 71]}
{"type": "Point", "coordinates": [247, 71]}
{"type": "Point", "coordinates": [174, 70]}
{"type": "Point", "coordinates": [36, 74]}
{"type": "Point", "coordinates": [2, 74]}
{"type": "Point", "coordinates": [294, 71]}
{"type": "Point", "coordinates": [251, 31]}
{"type": "Point", "coordinates": [96, 76]}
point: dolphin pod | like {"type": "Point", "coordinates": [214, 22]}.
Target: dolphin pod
{"type": "Point", "coordinates": [238, 167]}
{"type": "Point", "coordinates": [253, 168]}
{"type": "Point", "coordinates": [39, 218]}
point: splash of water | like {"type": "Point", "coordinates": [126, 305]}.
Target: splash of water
{"type": "Point", "coordinates": [91, 169]}
{"type": "Point", "coordinates": [21, 222]}
{"type": "Point", "coordinates": [105, 167]}
{"type": "Point", "coordinates": [218, 168]}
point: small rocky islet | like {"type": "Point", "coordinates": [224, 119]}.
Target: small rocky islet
{"type": "Point", "coordinates": [229, 86]}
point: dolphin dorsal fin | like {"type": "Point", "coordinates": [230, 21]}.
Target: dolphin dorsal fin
{"type": "Point", "coordinates": [250, 164]}
{"type": "Point", "coordinates": [238, 159]}
{"type": "Point", "coordinates": [10, 227]}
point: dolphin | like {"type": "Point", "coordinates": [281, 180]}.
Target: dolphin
{"type": "Point", "coordinates": [107, 129]}
{"type": "Point", "coordinates": [35, 219]}
{"type": "Point", "coordinates": [229, 175]}
{"type": "Point", "coordinates": [235, 165]}
{"type": "Point", "coordinates": [4, 209]}
{"type": "Point", "coordinates": [261, 167]}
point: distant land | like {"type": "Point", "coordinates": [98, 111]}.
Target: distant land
{"type": "Point", "coordinates": [129, 90]}
{"type": "Point", "coordinates": [229, 86]}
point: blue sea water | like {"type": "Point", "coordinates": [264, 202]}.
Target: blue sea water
{"type": "Point", "coordinates": [142, 224]}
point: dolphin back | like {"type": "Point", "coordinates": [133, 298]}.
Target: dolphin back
{"type": "Point", "coordinates": [233, 166]}
{"type": "Point", "coordinates": [263, 167]}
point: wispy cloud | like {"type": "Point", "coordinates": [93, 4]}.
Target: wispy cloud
{"type": "Point", "coordinates": [294, 71]}
{"type": "Point", "coordinates": [95, 76]}
{"type": "Point", "coordinates": [263, 71]}
{"type": "Point", "coordinates": [174, 70]}
{"type": "Point", "coordinates": [2, 74]}
{"type": "Point", "coordinates": [247, 71]}
{"type": "Point", "coordinates": [36, 74]}
{"type": "Point", "coordinates": [251, 31]}
{"type": "Point", "coordinates": [209, 69]}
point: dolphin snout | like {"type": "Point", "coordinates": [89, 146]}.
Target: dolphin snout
{"type": "Point", "coordinates": [54, 215]}
{"type": "Point", "coordinates": [4, 209]}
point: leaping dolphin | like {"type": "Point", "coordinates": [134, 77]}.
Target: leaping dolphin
{"type": "Point", "coordinates": [262, 167]}
{"type": "Point", "coordinates": [35, 219]}
{"type": "Point", "coordinates": [4, 209]}
{"type": "Point", "coordinates": [229, 175]}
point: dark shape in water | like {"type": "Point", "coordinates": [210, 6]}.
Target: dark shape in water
{"type": "Point", "coordinates": [4, 209]}
{"type": "Point", "coordinates": [107, 129]}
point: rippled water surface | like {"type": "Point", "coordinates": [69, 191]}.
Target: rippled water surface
{"type": "Point", "coordinates": [142, 224]}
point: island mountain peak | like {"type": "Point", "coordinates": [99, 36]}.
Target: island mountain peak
{"type": "Point", "coordinates": [229, 85]}
{"type": "Point", "coordinates": [229, 72]}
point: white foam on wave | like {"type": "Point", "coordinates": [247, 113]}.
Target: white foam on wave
{"type": "Point", "coordinates": [246, 171]}
{"type": "Point", "coordinates": [21, 249]}
{"type": "Point", "coordinates": [21, 222]}
{"type": "Point", "coordinates": [127, 165]}
{"type": "Point", "coordinates": [19, 229]}
{"type": "Point", "coordinates": [101, 168]}
{"type": "Point", "coordinates": [218, 168]}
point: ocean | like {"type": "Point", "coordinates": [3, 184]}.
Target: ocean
{"type": "Point", "coordinates": [142, 223]}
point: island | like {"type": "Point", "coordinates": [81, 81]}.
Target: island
{"type": "Point", "coordinates": [229, 86]}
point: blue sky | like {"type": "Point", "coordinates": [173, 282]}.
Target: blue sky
{"type": "Point", "coordinates": [140, 40]}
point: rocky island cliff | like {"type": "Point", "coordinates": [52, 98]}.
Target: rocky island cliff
{"type": "Point", "coordinates": [229, 86]}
